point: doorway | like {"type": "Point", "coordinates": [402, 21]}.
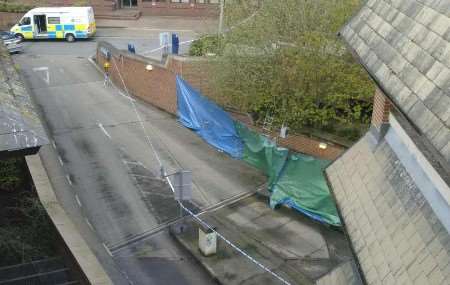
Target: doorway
{"type": "Point", "coordinates": [129, 3]}
{"type": "Point", "coordinates": [40, 23]}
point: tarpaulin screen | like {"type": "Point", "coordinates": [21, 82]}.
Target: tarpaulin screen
{"type": "Point", "coordinates": [262, 153]}
{"type": "Point", "coordinates": [302, 186]}
{"type": "Point", "coordinates": [207, 119]}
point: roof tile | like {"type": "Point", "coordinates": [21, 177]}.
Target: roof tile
{"type": "Point", "coordinates": [408, 39]}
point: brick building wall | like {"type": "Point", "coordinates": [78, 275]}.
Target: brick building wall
{"type": "Point", "coordinates": [7, 20]}
{"type": "Point", "coordinates": [158, 87]}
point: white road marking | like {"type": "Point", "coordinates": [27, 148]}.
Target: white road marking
{"type": "Point", "coordinates": [53, 144]}
{"type": "Point", "coordinates": [69, 180]}
{"type": "Point", "coordinates": [78, 201]}
{"type": "Point", "coordinates": [47, 73]}
{"type": "Point", "coordinates": [60, 160]}
{"type": "Point", "coordinates": [104, 130]}
{"type": "Point", "coordinates": [89, 224]}
{"type": "Point", "coordinates": [107, 249]}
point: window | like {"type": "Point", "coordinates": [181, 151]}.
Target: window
{"type": "Point", "coordinates": [25, 21]}
{"type": "Point", "coordinates": [179, 1]}
{"type": "Point", "coordinates": [53, 20]}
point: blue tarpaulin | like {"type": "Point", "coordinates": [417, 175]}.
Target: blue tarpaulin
{"type": "Point", "coordinates": [207, 119]}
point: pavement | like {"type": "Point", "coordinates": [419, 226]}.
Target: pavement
{"type": "Point", "coordinates": [294, 247]}
{"type": "Point", "coordinates": [142, 33]}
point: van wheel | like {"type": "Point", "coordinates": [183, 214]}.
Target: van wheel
{"type": "Point", "coordinates": [70, 38]}
{"type": "Point", "coordinates": [19, 36]}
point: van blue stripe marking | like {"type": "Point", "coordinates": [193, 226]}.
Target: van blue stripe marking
{"type": "Point", "coordinates": [69, 27]}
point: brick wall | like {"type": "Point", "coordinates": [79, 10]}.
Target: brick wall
{"type": "Point", "coordinates": [381, 109]}
{"type": "Point", "coordinates": [158, 87]}
{"type": "Point", "coordinates": [7, 20]}
{"type": "Point", "coordinates": [307, 145]}
{"type": "Point", "coordinates": [177, 9]}
{"type": "Point", "coordinates": [98, 5]}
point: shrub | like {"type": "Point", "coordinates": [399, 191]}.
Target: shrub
{"type": "Point", "coordinates": [205, 45]}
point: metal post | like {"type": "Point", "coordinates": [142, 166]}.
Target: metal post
{"type": "Point", "coordinates": [222, 4]}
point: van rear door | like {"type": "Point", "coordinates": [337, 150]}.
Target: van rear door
{"type": "Point", "coordinates": [91, 18]}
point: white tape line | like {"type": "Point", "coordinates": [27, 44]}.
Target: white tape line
{"type": "Point", "coordinates": [89, 224]}
{"type": "Point", "coordinates": [78, 201]}
{"type": "Point", "coordinates": [107, 249]}
{"type": "Point", "coordinates": [149, 141]}
{"type": "Point", "coordinates": [104, 130]}
{"type": "Point", "coordinates": [69, 180]}
{"type": "Point", "coordinates": [60, 160]}
{"type": "Point", "coordinates": [160, 48]}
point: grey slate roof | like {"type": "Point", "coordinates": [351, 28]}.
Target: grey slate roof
{"type": "Point", "coordinates": [397, 237]}
{"type": "Point", "coordinates": [20, 126]}
{"type": "Point", "coordinates": [405, 46]}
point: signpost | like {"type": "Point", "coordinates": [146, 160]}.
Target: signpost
{"type": "Point", "coordinates": [182, 186]}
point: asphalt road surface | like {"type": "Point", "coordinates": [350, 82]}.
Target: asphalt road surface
{"type": "Point", "coordinates": [106, 175]}
{"type": "Point", "coordinates": [146, 42]}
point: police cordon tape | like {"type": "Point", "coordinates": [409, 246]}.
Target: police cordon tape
{"type": "Point", "coordinates": [193, 215]}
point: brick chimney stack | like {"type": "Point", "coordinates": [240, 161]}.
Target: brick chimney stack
{"type": "Point", "coordinates": [380, 116]}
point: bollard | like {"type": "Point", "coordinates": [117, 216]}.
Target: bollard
{"type": "Point", "coordinates": [207, 241]}
{"type": "Point", "coordinates": [131, 48]}
{"type": "Point", "coordinates": [175, 44]}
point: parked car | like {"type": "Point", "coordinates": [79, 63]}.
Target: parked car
{"type": "Point", "coordinates": [12, 43]}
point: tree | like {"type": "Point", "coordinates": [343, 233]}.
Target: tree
{"type": "Point", "coordinates": [284, 58]}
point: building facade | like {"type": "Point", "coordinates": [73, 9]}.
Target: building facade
{"type": "Point", "coordinates": [392, 186]}
{"type": "Point", "coordinates": [172, 7]}
{"type": "Point", "coordinates": [201, 8]}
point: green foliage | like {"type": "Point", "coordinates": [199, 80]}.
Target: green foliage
{"type": "Point", "coordinates": [26, 232]}
{"type": "Point", "coordinates": [204, 45]}
{"type": "Point", "coordinates": [11, 174]}
{"type": "Point", "coordinates": [14, 8]}
{"type": "Point", "coordinates": [283, 58]}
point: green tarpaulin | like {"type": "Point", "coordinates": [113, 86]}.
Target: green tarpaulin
{"type": "Point", "coordinates": [296, 180]}
{"type": "Point", "coordinates": [262, 153]}
{"type": "Point", "coordinates": [302, 186]}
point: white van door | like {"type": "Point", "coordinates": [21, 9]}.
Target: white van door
{"type": "Point", "coordinates": [40, 25]}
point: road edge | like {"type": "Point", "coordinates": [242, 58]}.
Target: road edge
{"type": "Point", "coordinates": [83, 255]}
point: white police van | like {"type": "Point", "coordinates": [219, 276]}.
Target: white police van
{"type": "Point", "coordinates": [68, 23]}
